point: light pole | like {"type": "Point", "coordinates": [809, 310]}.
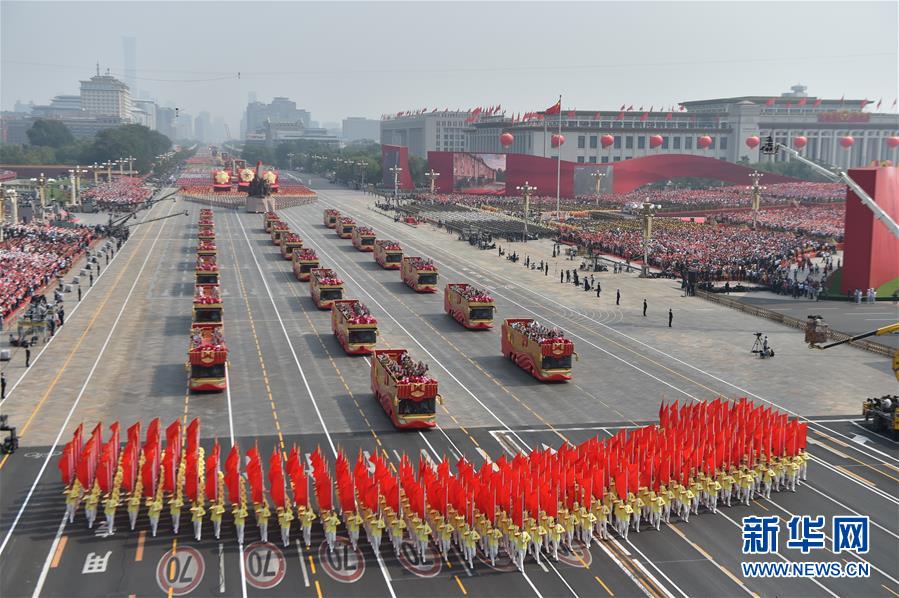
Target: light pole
{"type": "Point", "coordinates": [432, 178]}
{"type": "Point", "coordinates": [396, 170]}
{"type": "Point", "coordinates": [362, 164]}
{"type": "Point", "coordinates": [598, 176]}
{"type": "Point", "coordinates": [130, 165]}
{"type": "Point", "coordinates": [96, 169]}
{"type": "Point", "coordinates": [42, 191]}
{"type": "Point", "coordinates": [108, 170]}
{"type": "Point", "coordinates": [290, 160]}
{"type": "Point", "coordinates": [526, 191]}
{"type": "Point", "coordinates": [648, 210]}
{"type": "Point", "coordinates": [756, 196]}
{"type": "Point", "coordinates": [121, 163]}
{"type": "Point", "coordinates": [2, 211]}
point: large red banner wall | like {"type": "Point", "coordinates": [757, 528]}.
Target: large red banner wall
{"type": "Point", "coordinates": [871, 252]}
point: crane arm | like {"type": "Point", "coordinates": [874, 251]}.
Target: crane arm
{"type": "Point", "coordinates": [889, 329]}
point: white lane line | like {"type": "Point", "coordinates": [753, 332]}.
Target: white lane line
{"type": "Point", "coordinates": [855, 423]}
{"type": "Point", "coordinates": [221, 568]}
{"type": "Point", "coordinates": [625, 570]}
{"type": "Point", "coordinates": [302, 563]}
{"type": "Point", "coordinates": [850, 479]}
{"type": "Point", "coordinates": [296, 360]}
{"type": "Point", "coordinates": [46, 568]}
{"type": "Point", "coordinates": [228, 397]}
{"type": "Point", "coordinates": [654, 566]}
{"type": "Point", "coordinates": [90, 375]}
{"type": "Point", "coordinates": [850, 509]}
{"type": "Point", "coordinates": [71, 313]}
{"type": "Point", "coordinates": [430, 446]}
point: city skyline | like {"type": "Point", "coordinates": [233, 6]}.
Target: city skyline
{"type": "Point", "coordinates": [663, 61]}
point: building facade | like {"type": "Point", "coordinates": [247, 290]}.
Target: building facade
{"type": "Point", "coordinates": [728, 122]}
{"type": "Point", "coordinates": [281, 110]}
{"type": "Point", "coordinates": [356, 128]}
{"type": "Point", "coordinates": [106, 95]}
{"type": "Point", "coordinates": [428, 131]}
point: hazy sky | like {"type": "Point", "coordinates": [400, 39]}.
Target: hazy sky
{"type": "Point", "coordinates": [341, 59]}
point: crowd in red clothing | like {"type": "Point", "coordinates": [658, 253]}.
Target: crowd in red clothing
{"type": "Point", "coordinates": [717, 252]}
{"type": "Point", "coordinates": [31, 256]}
{"type": "Point", "coordinates": [118, 194]}
{"type": "Point", "coordinates": [826, 220]}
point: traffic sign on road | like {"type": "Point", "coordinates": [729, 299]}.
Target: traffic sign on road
{"type": "Point", "coordinates": [265, 565]}
{"type": "Point", "coordinates": [409, 559]}
{"type": "Point", "coordinates": [181, 571]}
{"type": "Point", "coordinates": [344, 564]}
{"type": "Point", "coordinates": [579, 556]}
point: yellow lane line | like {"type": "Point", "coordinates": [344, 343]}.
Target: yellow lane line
{"type": "Point", "coordinates": [318, 589]}
{"type": "Point", "coordinates": [604, 586]}
{"type": "Point", "coordinates": [703, 552]}
{"type": "Point", "coordinates": [139, 553]}
{"type": "Point", "coordinates": [312, 564]}
{"type": "Point", "coordinates": [461, 587]}
{"type": "Point", "coordinates": [890, 590]}
{"type": "Point", "coordinates": [58, 554]}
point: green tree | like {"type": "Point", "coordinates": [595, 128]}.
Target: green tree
{"type": "Point", "coordinates": [49, 133]}
{"type": "Point", "coordinates": [136, 141]}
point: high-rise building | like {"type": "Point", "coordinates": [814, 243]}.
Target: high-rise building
{"type": "Point", "coordinates": [203, 127]}
{"type": "Point", "coordinates": [357, 128]}
{"type": "Point", "coordinates": [144, 113]}
{"type": "Point", "coordinates": [280, 111]}
{"type": "Point", "coordinates": [165, 121]}
{"type": "Point", "coordinates": [129, 62]}
{"type": "Point", "coordinates": [106, 95]}
{"type": "Point", "coordinates": [427, 131]}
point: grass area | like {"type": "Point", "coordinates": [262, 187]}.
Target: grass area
{"type": "Point", "coordinates": [884, 291]}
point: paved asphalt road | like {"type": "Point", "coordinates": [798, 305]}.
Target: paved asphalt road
{"type": "Point", "coordinates": [120, 357]}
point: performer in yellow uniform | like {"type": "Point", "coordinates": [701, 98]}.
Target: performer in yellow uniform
{"type": "Point", "coordinates": [285, 516]}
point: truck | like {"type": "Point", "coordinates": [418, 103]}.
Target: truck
{"type": "Point", "coordinates": [388, 254]}
{"type": "Point", "coordinates": [206, 248]}
{"type": "Point", "coordinates": [419, 274]}
{"type": "Point", "coordinates": [325, 287]}
{"type": "Point", "coordinates": [364, 238]}
{"type": "Point", "coordinates": [470, 306]}
{"type": "Point", "coordinates": [304, 260]}
{"type": "Point", "coordinates": [331, 218]}
{"type": "Point", "coordinates": [289, 242]}
{"type": "Point", "coordinates": [206, 231]}
{"type": "Point", "coordinates": [883, 412]}
{"type": "Point", "coordinates": [354, 326]}
{"type": "Point", "coordinates": [403, 388]}
{"type": "Point", "coordinates": [543, 352]}
{"type": "Point", "coordinates": [208, 306]}
{"type": "Point", "coordinates": [207, 270]}
{"type": "Point", "coordinates": [207, 355]}
{"type": "Point", "coordinates": [345, 226]}
{"type": "Point", "coordinates": [267, 219]}
{"type": "Point", "coordinates": [279, 228]}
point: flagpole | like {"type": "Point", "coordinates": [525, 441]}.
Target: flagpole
{"type": "Point", "coordinates": [558, 161]}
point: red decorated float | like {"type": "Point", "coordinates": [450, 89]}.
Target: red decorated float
{"type": "Point", "coordinates": [541, 351]}
{"type": "Point", "coordinates": [290, 242]}
{"type": "Point", "coordinates": [404, 389]}
{"type": "Point", "coordinates": [279, 228]}
{"type": "Point", "coordinates": [345, 226]}
{"type": "Point", "coordinates": [206, 248]}
{"type": "Point", "coordinates": [331, 217]}
{"type": "Point", "coordinates": [208, 306]}
{"type": "Point", "coordinates": [267, 219]}
{"type": "Point", "coordinates": [325, 287]}
{"type": "Point", "coordinates": [207, 270]}
{"type": "Point", "coordinates": [354, 326]}
{"type": "Point", "coordinates": [363, 238]}
{"type": "Point", "coordinates": [469, 305]}
{"type": "Point", "coordinates": [388, 254]}
{"type": "Point", "coordinates": [207, 355]}
{"type": "Point", "coordinates": [419, 274]}
{"type": "Point", "coordinates": [304, 261]}
{"type": "Point", "coordinates": [221, 181]}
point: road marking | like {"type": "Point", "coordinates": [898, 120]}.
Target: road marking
{"type": "Point", "coordinates": [855, 475]}
{"type": "Point", "coordinates": [318, 589]}
{"type": "Point", "coordinates": [65, 423]}
{"type": "Point", "coordinates": [139, 552]}
{"type": "Point", "coordinates": [221, 568]}
{"type": "Point", "coordinates": [891, 591]}
{"type": "Point", "coordinates": [312, 564]}
{"type": "Point", "coordinates": [461, 587]}
{"type": "Point", "coordinates": [303, 563]}
{"type": "Point", "coordinates": [604, 586]}
{"type": "Point", "coordinates": [57, 554]}
{"type": "Point", "coordinates": [703, 552]}
{"type": "Point", "coordinates": [52, 559]}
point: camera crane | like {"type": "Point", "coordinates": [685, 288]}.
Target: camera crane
{"type": "Point", "coordinates": [770, 148]}
{"type": "Point", "coordinates": [119, 223]}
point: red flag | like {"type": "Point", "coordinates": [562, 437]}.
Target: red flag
{"type": "Point", "coordinates": [555, 108]}
{"type": "Point", "coordinates": [572, 114]}
{"type": "Point", "coordinates": [129, 466]}
{"type": "Point", "coordinates": [193, 435]}
{"type": "Point", "coordinates": [276, 478]}
{"type": "Point", "coordinates": [254, 475]}
{"type": "Point", "coordinates": [801, 101]}
{"type": "Point", "coordinates": [150, 471]}
{"type": "Point", "coordinates": [864, 103]}
{"type": "Point", "coordinates": [770, 102]}
{"type": "Point", "coordinates": [153, 431]}
{"type": "Point", "coordinates": [232, 474]}
{"type": "Point", "coordinates": [620, 116]}
{"type": "Point", "coordinates": [134, 434]}
{"type": "Point", "coordinates": [644, 116]}
{"type": "Point", "coordinates": [877, 107]}
{"type": "Point", "coordinates": [212, 472]}
{"type": "Point", "coordinates": [669, 116]}
{"type": "Point", "coordinates": [67, 463]}
{"type": "Point", "coordinates": [192, 474]}
{"type": "Point", "coordinates": [817, 103]}
{"type": "Point", "coordinates": [323, 491]}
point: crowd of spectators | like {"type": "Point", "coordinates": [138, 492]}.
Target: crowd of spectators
{"type": "Point", "coordinates": [123, 193]}
{"type": "Point", "coordinates": [715, 252]}
{"type": "Point", "coordinates": [31, 256]}
{"type": "Point", "coordinates": [825, 220]}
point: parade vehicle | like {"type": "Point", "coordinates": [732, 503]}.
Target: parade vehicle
{"type": "Point", "coordinates": [207, 271]}
{"type": "Point", "coordinates": [388, 254]}
{"type": "Point", "coordinates": [325, 287]}
{"type": "Point", "coordinates": [364, 238]}
{"type": "Point", "coordinates": [206, 232]}
{"type": "Point", "coordinates": [543, 352]}
{"type": "Point", "coordinates": [205, 213]}
{"type": "Point", "coordinates": [354, 326]}
{"type": "Point", "coordinates": [345, 227]}
{"type": "Point", "coordinates": [884, 414]}
{"type": "Point", "coordinates": [304, 261]}
{"type": "Point", "coordinates": [404, 389]}
{"type": "Point", "coordinates": [331, 218]}
{"type": "Point", "coordinates": [206, 248]}
{"type": "Point", "coordinates": [289, 242]}
{"type": "Point", "coordinates": [419, 274]}
{"type": "Point", "coordinates": [207, 355]}
{"type": "Point", "coordinates": [267, 219]}
{"type": "Point", "coordinates": [208, 306]}
{"type": "Point", "coordinates": [470, 306]}
{"type": "Point", "coordinates": [278, 229]}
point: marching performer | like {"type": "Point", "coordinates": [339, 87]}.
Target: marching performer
{"type": "Point", "coordinates": [285, 516]}
{"type": "Point", "coordinates": [196, 517]}
{"type": "Point", "coordinates": [154, 509]}
{"type": "Point", "coordinates": [90, 504]}
{"type": "Point", "coordinates": [73, 497]}
{"type": "Point", "coordinates": [330, 522]}
{"type": "Point", "coordinates": [263, 513]}
{"type": "Point", "coordinates": [353, 522]}
{"type": "Point", "coordinates": [306, 516]}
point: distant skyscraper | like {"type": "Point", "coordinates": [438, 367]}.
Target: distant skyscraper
{"type": "Point", "coordinates": [129, 63]}
{"type": "Point", "coordinates": [251, 97]}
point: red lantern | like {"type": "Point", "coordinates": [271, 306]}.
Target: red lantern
{"type": "Point", "coordinates": [800, 142]}
{"type": "Point", "coordinates": [655, 141]}
{"type": "Point", "coordinates": [893, 142]}
{"type": "Point", "coordinates": [847, 141]}
{"type": "Point", "coordinates": [606, 140]}
{"type": "Point", "coordinates": [557, 140]}
{"type": "Point", "coordinates": [506, 139]}
{"type": "Point", "coordinates": [752, 142]}
{"type": "Point", "coordinates": [704, 142]}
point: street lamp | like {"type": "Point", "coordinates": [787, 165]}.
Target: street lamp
{"type": "Point", "coordinates": [526, 191]}
{"type": "Point", "coordinates": [290, 160]}
{"type": "Point", "coordinates": [42, 182]}
{"type": "Point", "coordinates": [598, 176]}
{"type": "Point", "coordinates": [756, 195]}
{"type": "Point", "coordinates": [432, 178]}
{"type": "Point", "coordinates": [648, 211]}
{"type": "Point", "coordinates": [130, 165]}
{"type": "Point", "coordinates": [108, 166]}
{"type": "Point", "coordinates": [362, 164]}
{"type": "Point", "coordinates": [396, 170]}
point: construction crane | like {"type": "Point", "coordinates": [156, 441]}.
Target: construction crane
{"type": "Point", "coordinates": [882, 411]}
{"type": "Point", "coordinates": [770, 148]}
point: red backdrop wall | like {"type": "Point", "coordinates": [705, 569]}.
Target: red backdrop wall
{"type": "Point", "coordinates": [871, 255]}
{"type": "Point", "coordinates": [402, 160]}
